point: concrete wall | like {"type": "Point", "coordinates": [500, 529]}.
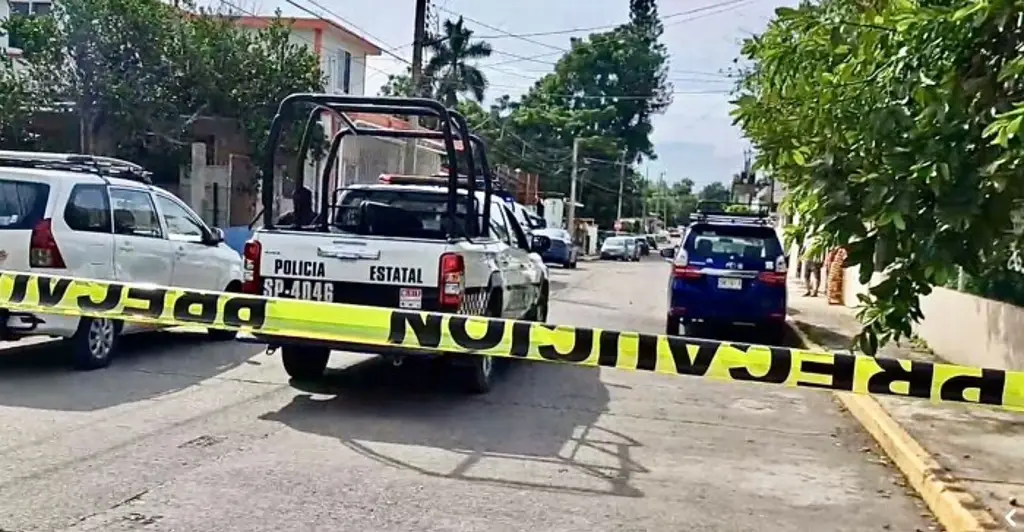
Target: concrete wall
{"type": "Point", "coordinates": [364, 159]}
{"type": "Point", "coordinates": [962, 328]}
{"type": "Point", "coordinates": [972, 330]}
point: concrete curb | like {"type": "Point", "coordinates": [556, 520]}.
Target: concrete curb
{"type": "Point", "coordinates": [953, 506]}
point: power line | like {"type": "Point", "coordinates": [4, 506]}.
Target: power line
{"type": "Point", "coordinates": [525, 36]}
{"type": "Point", "coordinates": [581, 96]}
{"type": "Point", "coordinates": [321, 17]}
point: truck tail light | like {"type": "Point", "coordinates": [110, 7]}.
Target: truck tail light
{"type": "Point", "coordinates": [252, 253]}
{"type": "Point", "coordinates": [43, 251]}
{"type": "Point", "coordinates": [451, 281]}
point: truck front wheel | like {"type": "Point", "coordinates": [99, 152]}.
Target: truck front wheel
{"type": "Point", "coordinates": [305, 363]}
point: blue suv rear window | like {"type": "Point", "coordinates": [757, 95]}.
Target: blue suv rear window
{"type": "Point", "coordinates": [709, 241]}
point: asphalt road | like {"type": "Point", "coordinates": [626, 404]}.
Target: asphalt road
{"type": "Point", "coordinates": [181, 435]}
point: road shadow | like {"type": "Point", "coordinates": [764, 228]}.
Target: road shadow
{"type": "Point", "coordinates": [540, 425]}
{"type": "Point", "coordinates": [148, 365]}
{"type": "Point", "coordinates": [741, 334]}
{"type": "Point", "coordinates": [825, 337]}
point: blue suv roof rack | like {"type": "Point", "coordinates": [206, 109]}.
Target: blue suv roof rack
{"type": "Point", "coordinates": [718, 212]}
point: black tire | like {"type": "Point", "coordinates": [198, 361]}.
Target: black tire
{"type": "Point", "coordinates": [94, 343]}
{"type": "Point", "coordinates": [305, 363]}
{"type": "Point", "coordinates": [539, 313]}
{"type": "Point", "coordinates": [223, 335]}
{"type": "Point", "coordinates": [672, 326]}
{"type": "Point", "coordinates": [476, 375]}
{"type": "Point", "coordinates": [774, 334]}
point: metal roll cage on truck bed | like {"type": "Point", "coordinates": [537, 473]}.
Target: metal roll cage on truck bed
{"type": "Point", "coordinates": [451, 123]}
{"type": "Point", "coordinates": [408, 243]}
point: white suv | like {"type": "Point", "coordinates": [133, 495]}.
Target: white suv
{"type": "Point", "coordinates": [99, 218]}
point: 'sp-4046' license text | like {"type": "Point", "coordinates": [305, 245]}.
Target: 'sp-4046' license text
{"type": "Point", "coordinates": [299, 289]}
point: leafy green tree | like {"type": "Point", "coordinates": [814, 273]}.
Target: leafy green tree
{"type": "Point", "coordinates": [16, 107]}
{"type": "Point", "coordinates": [714, 191]}
{"type": "Point", "coordinates": [398, 84]}
{"type": "Point", "coordinates": [450, 65]}
{"type": "Point", "coordinates": [140, 77]}
{"type": "Point", "coordinates": [583, 99]}
{"type": "Point", "coordinates": [894, 127]}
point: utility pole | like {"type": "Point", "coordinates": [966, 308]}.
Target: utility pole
{"type": "Point", "coordinates": [419, 34]}
{"type": "Point", "coordinates": [571, 219]}
{"type": "Point", "coordinates": [664, 200]}
{"type": "Point", "coordinates": [643, 199]}
{"type": "Point", "coordinates": [622, 179]}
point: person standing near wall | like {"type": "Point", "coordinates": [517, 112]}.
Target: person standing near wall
{"type": "Point", "coordinates": [813, 258]}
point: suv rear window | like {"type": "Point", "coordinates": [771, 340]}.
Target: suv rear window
{"type": "Point", "coordinates": [411, 214]}
{"type": "Point", "coordinates": [748, 242]}
{"type": "Point", "coordinates": [22, 203]}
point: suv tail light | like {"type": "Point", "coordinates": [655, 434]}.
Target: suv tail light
{"type": "Point", "coordinates": [451, 281]}
{"type": "Point", "coordinates": [251, 255]}
{"type": "Point", "coordinates": [681, 268]}
{"type": "Point", "coordinates": [42, 249]}
{"type": "Point", "coordinates": [777, 277]}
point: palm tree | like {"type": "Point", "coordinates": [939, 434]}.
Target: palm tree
{"type": "Point", "coordinates": [449, 66]}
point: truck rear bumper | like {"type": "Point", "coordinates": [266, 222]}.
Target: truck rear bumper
{"type": "Point", "coordinates": [386, 351]}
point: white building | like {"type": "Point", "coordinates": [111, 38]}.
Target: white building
{"type": "Point", "coordinates": [343, 56]}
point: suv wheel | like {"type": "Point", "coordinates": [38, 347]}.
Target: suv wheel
{"type": "Point", "coordinates": [305, 363]}
{"type": "Point", "coordinates": [94, 343]}
{"type": "Point", "coordinates": [774, 333]}
{"type": "Point", "coordinates": [672, 326]}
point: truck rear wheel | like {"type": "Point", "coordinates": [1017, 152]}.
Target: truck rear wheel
{"type": "Point", "coordinates": [476, 375]}
{"type": "Point", "coordinates": [305, 363]}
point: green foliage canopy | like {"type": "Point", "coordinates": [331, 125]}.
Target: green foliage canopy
{"type": "Point", "coordinates": [604, 90]}
{"type": "Point", "coordinates": [138, 73]}
{"type": "Point", "coordinates": [895, 128]}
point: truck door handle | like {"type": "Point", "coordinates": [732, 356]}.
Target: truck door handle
{"type": "Point", "coordinates": [127, 247]}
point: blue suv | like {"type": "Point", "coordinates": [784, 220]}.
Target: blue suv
{"type": "Point", "coordinates": [730, 269]}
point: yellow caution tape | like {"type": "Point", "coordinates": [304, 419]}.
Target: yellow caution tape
{"type": "Point", "coordinates": [515, 339]}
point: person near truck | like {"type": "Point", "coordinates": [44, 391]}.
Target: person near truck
{"type": "Point", "coordinates": [302, 212]}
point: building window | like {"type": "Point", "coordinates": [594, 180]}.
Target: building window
{"type": "Point", "coordinates": [346, 82]}
{"type": "Point", "coordinates": [31, 7]}
{"type": "Point", "coordinates": [343, 71]}
{"type": "Point", "coordinates": [26, 8]}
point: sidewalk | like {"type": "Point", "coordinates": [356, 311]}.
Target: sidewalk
{"type": "Point", "coordinates": [979, 451]}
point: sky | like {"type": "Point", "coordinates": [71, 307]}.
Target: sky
{"type": "Point", "coordinates": [695, 137]}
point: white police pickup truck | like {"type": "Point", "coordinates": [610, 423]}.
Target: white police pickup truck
{"type": "Point", "coordinates": [443, 244]}
{"type": "Point", "coordinates": [389, 245]}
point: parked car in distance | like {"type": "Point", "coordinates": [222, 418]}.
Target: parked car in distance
{"type": "Point", "coordinates": [562, 250]}
{"type": "Point", "coordinates": [620, 248]}
{"type": "Point", "coordinates": [642, 245]}
{"type": "Point", "coordinates": [99, 218]}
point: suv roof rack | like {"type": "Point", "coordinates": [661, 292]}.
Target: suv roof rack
{"type": "Point", "coordinates": [718, 212]}
{"type": "Point", "coordinates": [72, 162]}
